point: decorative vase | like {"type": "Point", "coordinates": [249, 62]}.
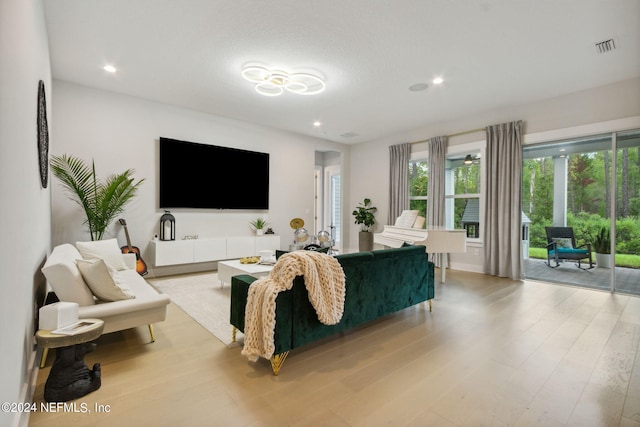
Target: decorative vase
{"type": "Point", "coordinates": [603, 260]}
{"type": "Point", "coordinates": [365, 241]}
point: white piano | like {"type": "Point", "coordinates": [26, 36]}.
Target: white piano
{"type": "Point", "coordinates": [437, 240]}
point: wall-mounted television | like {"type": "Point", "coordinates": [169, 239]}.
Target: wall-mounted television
{"type": "Point", "coordinates": [202, 176]}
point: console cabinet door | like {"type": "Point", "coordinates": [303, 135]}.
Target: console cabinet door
{"type": "Point", "coordinates": [267, 241]}
{"type": "Point", "coordinates": [209, 249]}
{"type": "Point", "coordinates": [173, 252]}
{"type": "Point", "coordinates": [240, 247]}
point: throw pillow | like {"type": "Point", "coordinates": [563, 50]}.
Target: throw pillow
{"type": "Point", "coordinates": [105, 285]}
{"type": "Point", "coordinates": [65, 278]}
{"type": "Point", "coordinates": [107, 250]}
{"type": "Point", "coordinates": [563, 242]}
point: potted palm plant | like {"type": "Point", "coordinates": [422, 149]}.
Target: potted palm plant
{"type": "Point", "coordinates": [601, 243]}
{"type": "Point", "coordinates": [102, 199]}
{"type": "Point", "coordinates": [363, 214]}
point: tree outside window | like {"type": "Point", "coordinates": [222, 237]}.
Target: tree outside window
{"type": "Point", "coordinates": [418, 184]}
{"type": "Point", "coordinates": [462, 191]}
{"type": "Point", "coordinates": [462, 194]}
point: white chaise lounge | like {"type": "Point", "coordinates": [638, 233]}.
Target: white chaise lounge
{"type": "Point", "coordinates": [62, 272]}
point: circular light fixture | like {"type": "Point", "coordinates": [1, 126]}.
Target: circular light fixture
{"type": "Point", "coordinates": [437, 81]}
{"type": "Point", "coordinates": [297, 87]}
{"type": "Point", "coordinates": [314, 84]}
{"type": "Point", "coordinates": [109, 68]}
{"type": "Point", "coordinates": [279, 78]}
{"type": "Point", "coordinates": [256, 74]}
{"type": "Point", "coordinates": [269, 89]}
{"type": "Point", "coordinates": [274, 82]}
{"type": "Point", "coordinates": [317, 123]}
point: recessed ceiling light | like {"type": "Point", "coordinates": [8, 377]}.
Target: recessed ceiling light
{"type": "Point", "coordinates": [418, 87]}
{"type": "Point", "coordinates": [317, 123]}
{"type": "Point", "coordinates": [109, 68]}
{"type": "Point", "coordinates": [437, 80]}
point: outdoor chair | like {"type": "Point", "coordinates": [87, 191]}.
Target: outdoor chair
{"type": "Point", "coordinates": [561, 245]}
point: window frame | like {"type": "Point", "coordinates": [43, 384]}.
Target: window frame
{"type": "Point", "coordinates": [457, 150]}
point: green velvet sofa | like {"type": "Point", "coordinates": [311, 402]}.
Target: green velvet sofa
{"type": "Point", "coordinates": [378, 283]}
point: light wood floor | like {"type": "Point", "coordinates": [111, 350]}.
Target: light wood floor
{"type": "Point", "coordinates": [492, 353]}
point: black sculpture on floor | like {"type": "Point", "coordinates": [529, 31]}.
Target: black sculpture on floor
{"type": "Point", "coordinates": [70, 378]}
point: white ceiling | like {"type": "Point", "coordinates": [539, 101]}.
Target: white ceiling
{"type": "Point", "coordinates": [491, 54]}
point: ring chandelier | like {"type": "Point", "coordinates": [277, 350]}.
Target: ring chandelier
{"type": "Point", "coordinates": [274, 82]}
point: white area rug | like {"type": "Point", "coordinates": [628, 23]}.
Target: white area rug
{"type": "Point", "coordinates": [201, 297]}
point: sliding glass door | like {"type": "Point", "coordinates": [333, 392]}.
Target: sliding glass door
{"type": "Point", "coordinates": [579, 183]}
{"type": "Point", "coordinates": [626, 227]}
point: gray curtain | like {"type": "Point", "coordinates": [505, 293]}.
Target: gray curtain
{"type": "Point", "coordinates": [503, 207]}
{"type": "Point", "coordinates": [399, 156]}
{"type": "Point", "coordinates": [435, 188]}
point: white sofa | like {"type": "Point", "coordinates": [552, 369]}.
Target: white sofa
{"type": "Point", "coordinates": [147, 307]}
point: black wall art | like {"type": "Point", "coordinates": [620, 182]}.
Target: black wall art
{"type": "Point", "coordinates": [43, 136]}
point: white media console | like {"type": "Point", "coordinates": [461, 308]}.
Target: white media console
{"type": "Point", "coordinates": [174, 252]}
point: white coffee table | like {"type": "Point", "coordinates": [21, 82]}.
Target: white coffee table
{"type": "Point", "coordinates": [228, 269]}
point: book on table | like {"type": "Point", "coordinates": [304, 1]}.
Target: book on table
{"type": "Point", "coordinates": [75, 328]}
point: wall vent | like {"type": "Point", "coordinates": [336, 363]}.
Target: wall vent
{"type": "Point", "coordinates": [606, 46]}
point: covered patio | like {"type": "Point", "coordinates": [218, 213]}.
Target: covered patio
{"type": "Point", "coordinates": [627, 279]}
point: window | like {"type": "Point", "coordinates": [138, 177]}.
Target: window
{"type": "Point", "coordinates": [463, 177]}
{"type": "Point", "coordinates": [462, 193]}
{"type": "Point", "coordinates": [418, 183]}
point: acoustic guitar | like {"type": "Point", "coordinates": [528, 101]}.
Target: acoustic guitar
{"type": "Point", "coordinates": [141, 266]}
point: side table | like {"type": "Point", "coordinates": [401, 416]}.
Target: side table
{"type": "Point", "coordinates": [70, 378]}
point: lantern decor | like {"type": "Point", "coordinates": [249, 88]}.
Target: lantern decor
{"type": "Point", "coordinates": [167, 226]}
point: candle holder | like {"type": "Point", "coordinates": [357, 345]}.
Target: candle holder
{"type": "Point", "coordinates": [167, 226]}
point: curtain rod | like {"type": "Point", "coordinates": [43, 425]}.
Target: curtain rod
{"type": "Point", "coordinates": [454, 134]}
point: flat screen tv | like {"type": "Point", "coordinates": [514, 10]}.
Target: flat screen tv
{"type": "Point", "coordinates": [205, 176]}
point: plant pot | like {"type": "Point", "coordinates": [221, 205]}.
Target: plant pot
{"type": "Point", "coordinates": [603, 260]}
{"type": "Point", "coordinates": [365, 241]}
{"type": "Point", "coordinates": [259, 232]}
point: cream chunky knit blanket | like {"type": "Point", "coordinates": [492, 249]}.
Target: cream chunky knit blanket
{"type": "Point", "coordinates": [324, 280]}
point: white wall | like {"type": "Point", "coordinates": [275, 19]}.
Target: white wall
{"type": "Point", "coordinates": [24, 215]}
{"type": "Point", "coordinates": [369, 165]}
{"type": "Point", "coordinates": [122, 132]}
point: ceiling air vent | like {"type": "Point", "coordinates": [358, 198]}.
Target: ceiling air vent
{"type": "Point", "coordinates": [349, 135]}
{"type": "Point", "coordinates": [605, 46]}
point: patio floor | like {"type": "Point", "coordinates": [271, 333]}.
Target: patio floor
{"type": "Point", "coordinates": [627, 279]}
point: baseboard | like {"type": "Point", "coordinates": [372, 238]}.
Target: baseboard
{"type": "Point", "coordinates": [171, 270]}
{"type": "Point", "coordinates": [471, 268]}
{"type": "Point", "coordinates": [28, 388]}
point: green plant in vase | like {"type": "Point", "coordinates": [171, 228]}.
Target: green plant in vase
{"type": "Point", "coordinates": [363, 214]}
{"type": "Point", "coordinates": [258, 225]}
{"type": "Point", "coordinates": [102, 200]}
{"type": "Point", "coordinates": [601, 243]}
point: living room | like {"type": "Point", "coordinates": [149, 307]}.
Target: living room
{"type": "Point", "coordinates": [121, 131]}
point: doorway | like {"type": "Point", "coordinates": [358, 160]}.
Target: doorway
{"type": "Point", "coordinates": [328, 196]}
